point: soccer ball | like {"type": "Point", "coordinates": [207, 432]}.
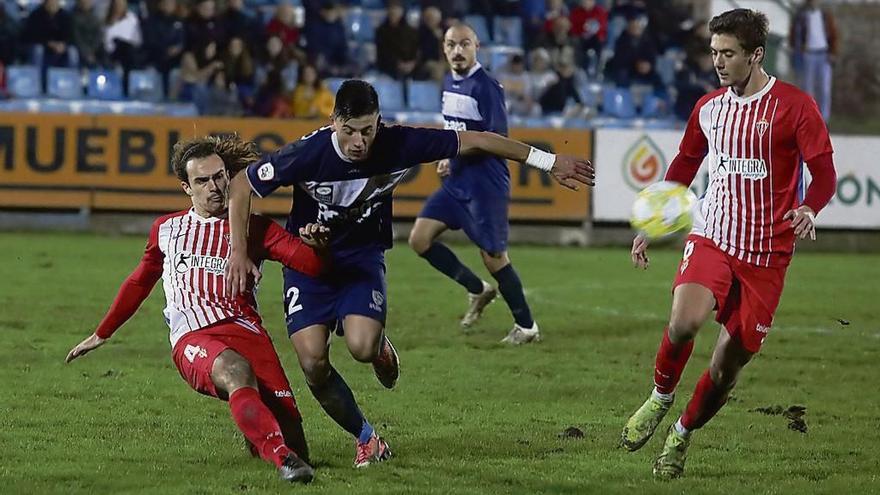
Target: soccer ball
{"type": "Point", "coordinates": [662, 209]}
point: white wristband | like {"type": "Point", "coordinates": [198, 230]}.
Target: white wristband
{"type": "Point", "coordinates": [541, 160]}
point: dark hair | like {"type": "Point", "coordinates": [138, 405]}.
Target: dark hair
{"type": "Point", "coordinates": [235, 153]}
{"type": "Point", "coordinates": [749, 26]}
{"type": "Point", "coordinates": [355, 98]}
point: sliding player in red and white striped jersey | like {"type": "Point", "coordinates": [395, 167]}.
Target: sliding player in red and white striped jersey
{"type": "Point", "coordinates": [757, 132]}
{"type": "Point", "coordinates": [218, 342]}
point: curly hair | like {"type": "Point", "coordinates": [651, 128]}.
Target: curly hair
{"type": "Point", "coordinates": [235, 153]}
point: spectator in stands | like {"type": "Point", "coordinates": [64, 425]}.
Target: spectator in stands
{"type": "Point", "coordinates": [164, 39]}
{"type": "Point", "coordinates": [238, 65]}
{"type": "Point", "coordinates": [203, 27]}
{"type": "Point", "coordinates": [431, 62]}
{"type": "Point", "coordinates": [218, 97]}
{"type": "Point", "coordinates": [630, 8]}
{"type": "Point", "coordinates": [270, 100]}
{"type": "Point", "coordinates": [122, 35]}
{"type": "Point", "coordinates": [451, 10]}
{"type": "Point", "coordinates": [196, 69]}
{"type": "Point", "coordinates": [283, 26]}
{"type": "Point", "coordinates": [87, 33]}
{"type": "Point", "coordinates": [562, 96]}
{"type": "Point", "coordinates": [311, 98]}
{"type": "Point", "coordinates": [694, 80]}
{"type": "Point", "coordinates": [813, 38]}
{"type": "Point", "coordinates": [533, 13]}
{"type": "Point", "coordinates": [277, 56]}
{"type": "Point", "coordinates": [697, 41]}
{"type": "Point", "coordinates": [559, 41]}
{"type": "Point", "coordinates": [49, 27]}
{"type": "Point", "coordinates": [397, 45]}
{"type": "Point", "coordinates": [634, 54]}
{"type": "Point", "coordinates": [9, 33]}
{"type": "Point", "coordinates": [518, 88]}
{"type": "Point", "coordinates": [555, 10]}
{"type": "Point", "coordinates": [326, 42]}
{"type": "Point", "coordinates": [589, 23]}
{"type": "Point", "coordinates": [240, 23]}
{"type": "Point", "coordinates": [540, 72]}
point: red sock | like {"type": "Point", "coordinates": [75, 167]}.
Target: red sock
{"type": "Point", "coordinates": [258, 424]}
{"type": "Point", "coordinates": [670, 362]}
{"type": "Point", "coordinates": [706, 402]}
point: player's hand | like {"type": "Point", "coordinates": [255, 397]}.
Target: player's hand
{"type": "Point", "coordinates": [239, 269]}
{"type": "Point", "coordinates": [443, 168]}
{"type": "Point", "coordinates": [91, 343]}
{"type": "Point", "coordinates": [315, 235]}
{"type": "Point", "coordinates": [640, 252]}
{"type": "Point", "coordinates": [569, 170]}
{"type": "Point", "coordinates": [803, 221]}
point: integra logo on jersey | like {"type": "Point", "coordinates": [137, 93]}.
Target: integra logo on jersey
{"type": "Point", "coordinates": [749, 168]}
{"type": "Point", "coordinates": [184, 262]}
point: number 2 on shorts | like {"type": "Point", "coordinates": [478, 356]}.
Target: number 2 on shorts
{"type": "Point", "coordinates": [292, 306]}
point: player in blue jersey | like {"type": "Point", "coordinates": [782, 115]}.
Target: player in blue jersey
{"type": "Point", "coordinates": [343, 176]}
{"type": "Point", "coordinates": [475, 192]}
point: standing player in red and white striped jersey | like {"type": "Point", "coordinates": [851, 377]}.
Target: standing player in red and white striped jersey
{"type": "Point", "coordinates": [757, 132]}
{"type": "Point", "coordinates": [218, 343]}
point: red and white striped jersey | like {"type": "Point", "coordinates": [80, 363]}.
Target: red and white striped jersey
{"type": "Point", "coordinates": [756, 147]}
{"type": "Point", "coordinates": [189, 252]}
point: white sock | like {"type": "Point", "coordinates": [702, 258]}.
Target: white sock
{"type": "Point", "coordinates": [664, 398]}
{"type": "Point", "coordinates": [681, 429]}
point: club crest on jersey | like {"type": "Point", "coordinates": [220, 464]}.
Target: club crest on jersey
{"type": "Point", "coordinates": [324, 194]}
{"type": "Point", "coordinates": [762, 126]}
{"type": "Point", "coordinates": [266, 172]}
{"type": "Point", "coordinates": [378, 299]}
{"type": "Point", "coordinates": [748, 168]}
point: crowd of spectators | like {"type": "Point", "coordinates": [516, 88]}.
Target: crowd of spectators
{"type": "Point", "coordinates": [269, 59]}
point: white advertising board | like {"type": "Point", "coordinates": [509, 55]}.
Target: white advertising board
{"type": "Point", "coordinates": [629, 160]}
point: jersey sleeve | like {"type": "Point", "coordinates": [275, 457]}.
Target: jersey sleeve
{"type": "Point", "coordinates": [274, 243]}
{"type": "Point", "coordinates": [136, 288]}
{"type": "Point", "coordinates": [811, 133]}
{"type": "Point", "coordinates": [694, 143]}
{"type": "Point", "coordinates": [284, 167]}
{"type": "Point", "coordinates": [423, 145]}
{"type": "Point", "coordinates": [491, 106]}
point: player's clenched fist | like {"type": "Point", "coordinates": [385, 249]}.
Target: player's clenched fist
{"type": "Point", "coordinates": [90, 343]}
{"type": "Point", "coordinates": [443, 168]}
{"type": "Point", "coordinates": [315, 235]}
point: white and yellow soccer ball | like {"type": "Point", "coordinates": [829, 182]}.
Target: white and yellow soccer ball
{"type": "Point", "coordinates": [662, 209]}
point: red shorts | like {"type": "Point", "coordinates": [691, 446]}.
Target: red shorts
{"type": "Point", "coordinates": [746, 295]}
{"type": "Point", "coordinates": [195, 352]}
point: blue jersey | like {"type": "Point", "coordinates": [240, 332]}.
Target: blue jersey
{"type": "Point", "coordinates": [476, 103]}
{"type": "Point", "coordinates": [353, 199]}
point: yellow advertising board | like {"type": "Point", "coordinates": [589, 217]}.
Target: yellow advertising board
{"type": "Point", "coordinates": [118, 163]}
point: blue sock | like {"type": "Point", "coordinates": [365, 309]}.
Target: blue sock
{"type": "Point", "coordinates": [338, 402]}
{"type": "Point", "coordinates": [511, 288]}
{"type": "Point", "coordinates": [366, 432]}
{"type": "Point", "coordinates": [444, 260]}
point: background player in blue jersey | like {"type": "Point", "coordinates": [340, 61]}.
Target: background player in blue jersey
{"type": "Point", "coordinates": [475, 192]}
{"type": "Point", "coordinates": [343, 176]}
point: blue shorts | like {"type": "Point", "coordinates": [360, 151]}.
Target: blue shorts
{"type": "Point", "coordinates": [352, 287]}
{"type": "Point", "coordinates": [483, 221]}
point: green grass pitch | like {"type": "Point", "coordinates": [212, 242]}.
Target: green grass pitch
{"type": "Point", "coordinates": [469, 415]}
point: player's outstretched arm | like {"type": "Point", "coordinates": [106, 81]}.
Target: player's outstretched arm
{"type": "Point", "coordinates": [90, 343]}
{"type": "Point", "coordinates": [239, 267]}
{"type": "Point", "coordinates": [306, 254]}
{"type": "Point", "coordinates": [567, 170]}
{"type": "Point", "coordinates": [639, 252]}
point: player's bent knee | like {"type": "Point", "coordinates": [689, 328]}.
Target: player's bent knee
{"type": "Point", "coordinates": [419, 242]}
{"type": "Point", "coordinates": [683, 329]}
{"type": "Point", "coordinates": [315, 369]}
{"type": "Point", "coordinates": [365, 352]}
{"type": "Point", "coordinates": [231, 371]}
{"type": "Point", "coordinates": [722, 377]}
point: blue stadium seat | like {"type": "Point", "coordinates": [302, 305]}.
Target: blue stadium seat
{"type": "Point", "coordinates": [104, 84]}
{"type": "Point", "coordinates": [56, 106]}
{"type": "Point", "coordinates": [23, 81]}
{"type": "Point", "coordinates": [333, 83]}
{"type": "Point", "coordinates": [654, 106]}
{"type": "Point", "coordinates": [145, 85]}
{"type": "Point", "coordinates": [289, 76]}
{"type": "Point", "coordinates": [359, 25]}
{"type": "Point", "coordinates": [424, 96]}
{"type": "Point", "coordinates": [497, 57]}
{"type": "Point", "coordinates": [64, 82]}
{"type": "Point", "coordinates": [618, 102]}
{"type": "Point", "coordinates": [508, 31]}
{"type": "Point", "coordinates": [390, 94]}
{"type": "Point", "coordinates": [481, 27]}
{"type": "Point", "coordinates": [666, 67]}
